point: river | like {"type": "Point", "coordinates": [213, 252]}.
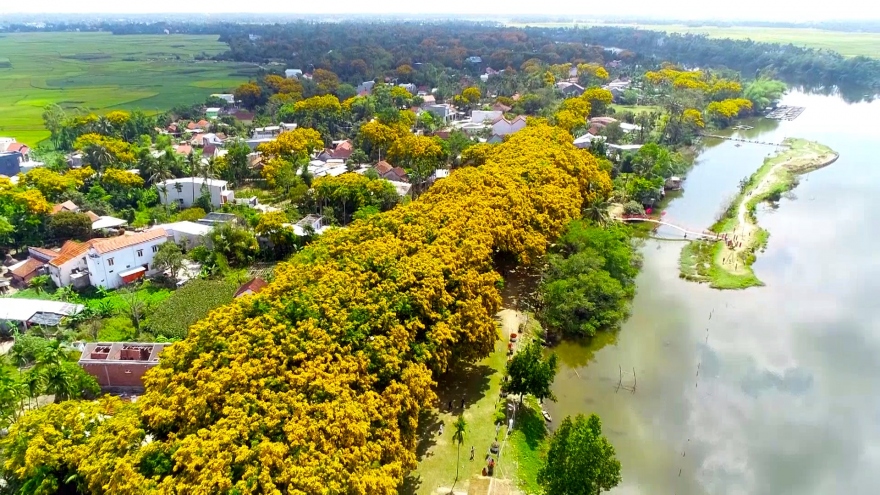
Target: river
{"type": "Point", "coordinates": [770, 390]}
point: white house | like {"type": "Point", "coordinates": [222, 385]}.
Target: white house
{"type": "Point", "coordinates": [442, 111]}
{"type": "Point", "coordinates": [70, 266]}
{"type": "Point", "coordinates": [293, 73]}
{"type": "Point", "coordinates": [186, 191]}
{"type": "Point", "coordinates": [120, 260]}
{"type": "Point", "coordinates": [268, 132]}
{"type": "Point", "coordinates": [480, 116]}
{"type": "Point", "coordinates": [312, 222]}
{"type": "Point", "coordinates": [503, 127]}
{"type": "Point", "coordinates": [211, 139]}
{"type": "Point", "coordinates": [586, 140]}
{"type": "Point", "coordinates": [227, 97]}
{"type": "Point", "coordinates": [107, 263]}
{"type": "Point", "coordinates": [187, 234]}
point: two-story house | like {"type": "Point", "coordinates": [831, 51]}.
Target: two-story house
{"type": "Point", "coordinates": [108, 263]}
{"type": "Point", "coordinates": [186, 191]}
{"type": "Point", "coordinates": [120, 260]}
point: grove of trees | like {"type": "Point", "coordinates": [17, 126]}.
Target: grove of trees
{"type": "Point", "coordinates": [315, 383]}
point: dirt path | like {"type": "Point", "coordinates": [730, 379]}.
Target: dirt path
{"type": "Point", "coordinates": [511, 321]}
{"type": "Point", "coordinates": [780, 171]}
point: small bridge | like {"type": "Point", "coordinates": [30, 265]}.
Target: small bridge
{"type": "Point", "coordinates": [740, 140]}
{"type": "Point", "coordinates": [694, 234]}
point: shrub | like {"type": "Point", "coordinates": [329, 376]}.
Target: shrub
{"type": "Point", "coordinates": [116, 329]}
{"type": "Point", "coordinates": [633, 208]}
{"type": "Point", "coordinates": [187, 305]}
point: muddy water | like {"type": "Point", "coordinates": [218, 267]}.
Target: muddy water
{"type": "Point", "coordinates": [772, 390]}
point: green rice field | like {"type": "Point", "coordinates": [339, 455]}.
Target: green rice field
{"type": "Point", "coordinates": [103, 72]}
{"type": "Point", "coordinates": [847, 44]}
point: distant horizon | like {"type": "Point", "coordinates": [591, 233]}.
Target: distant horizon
{"type": "Point", "coordinates": [789, 11]}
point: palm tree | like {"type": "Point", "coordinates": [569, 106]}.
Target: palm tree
{"type": "Point", "coordinates": [98, 155]}
{"type": "Point", "coordinates": [59, 382]}
{"type": "Point", "coordinates": [164, 190]}
{"type": "Point", "coordinates": [458, 437]}
{"type": "Point", "coordinates": [159, 170]}
{"type": "Point", "coordinates": [597, 212]}
{"type": "Point", "coordinates": [52, 356]}
{"type": "Point", "coordinates": [33, 382]}
{"type": "Point", "coordinates": [11, 392]}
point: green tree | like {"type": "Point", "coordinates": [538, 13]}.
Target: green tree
{"type": "Point", "coordinates": [237, 245]}
{"type": "Point", "coordinates": [613, 132]}
{"type": "Point", "coordinates": [134, 306]}
{"type": "Point", "coordinates": [580, 461]}
{"type": "Point", "coordinates": [458, 437]}
{"type": "Point", "coordinates": [597, 212]}
{"type": "Point", "coordinates": [12, 393]}
{"type": "Point", "coordinates": [579, 298]}
{"type": "Point", "coordinates": [40, 283]}
{"type": "Point", "coordinates": [529, 372]}
{"type": "Point", "coordinates": [53, 120]}
{"type": "Point", "coordinates": [589, 280]}
{"type": "Point", "coordinates": [236, 161]}
{"type": "Point", "coordinates": [170, 258]}
{"type": "Point", "coordinates": [763, 93]}
{"type": "Point", "coordinates": [66, 225]}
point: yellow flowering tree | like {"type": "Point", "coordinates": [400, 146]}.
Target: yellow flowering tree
{"type": "Point", "coordinates": [315, 384]}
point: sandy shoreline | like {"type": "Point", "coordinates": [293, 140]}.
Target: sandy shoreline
{"type": "Point", "coordinates": [777, 175]}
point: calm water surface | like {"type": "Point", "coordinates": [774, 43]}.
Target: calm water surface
{"type": "Point", "coordinates": [772, 390]}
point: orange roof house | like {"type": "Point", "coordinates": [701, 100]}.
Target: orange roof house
{"type": "Point", "coordinates": [383, 167]}
{"type": "Point", "coordinates": [252, 287]}
{"type": "Point", "coordinates": [65, 206]}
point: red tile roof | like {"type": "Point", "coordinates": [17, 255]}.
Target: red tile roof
{"type": "Point", "coordinates": [343, 150]}
{"type": "Point", "coordinates": [183, 149]}
{"type": "Point", "coordinates": [103, 246]}
{"type": "Point", "coordinates": [254, 286]}
{"type": "Point", "coordinates": [398, 173]}
{"type": "Point", "coordinates": [17, 147]}
{"type": "Point", "coordinates": [243, 115]}
{"type": "Point", "coordinates": [70, 250]}
{"type": "Point", "coordinates": [501, 107]}
{"type": "Point", "coordinates": [29, 266]}
{"type": "Point", "coordinates": [383, 167]}
{"type": "Point", "coordinates": [65, 206]}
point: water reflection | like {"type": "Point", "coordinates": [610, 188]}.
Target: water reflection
{"type": "Point", "coordinates": [765, 391]}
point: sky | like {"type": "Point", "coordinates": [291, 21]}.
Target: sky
{"type": "Point", "coordinates": [775, 10]}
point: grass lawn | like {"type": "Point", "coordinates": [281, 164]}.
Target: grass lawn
{"type": "Point", "coordinates": [91, 297]}
{"type": "Point", "coordinates": [847, 44]}
{"type": "Point", "coordinates": [528, 446]}
{"type": "Point", "coordinates": [522, 454]}
{"type": "Point", "coordinates": [479, 385]}
{"type": "Point", "coordinates": [102, 72]}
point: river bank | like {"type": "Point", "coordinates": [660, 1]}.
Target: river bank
{"type": "Point", "coordinates": [728, 264]}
